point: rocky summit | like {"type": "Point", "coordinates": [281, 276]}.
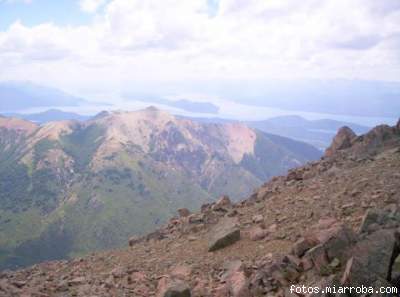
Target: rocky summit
{"type": "Point", "coordinates": [333, 222]}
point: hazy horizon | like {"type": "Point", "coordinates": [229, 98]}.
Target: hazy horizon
{"type": "Point", "coordinates": [221, 58]}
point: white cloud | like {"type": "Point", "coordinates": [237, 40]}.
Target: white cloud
{"type": "Point", "coordinates": [133, 42]}
{"type": "Point", "coordinates": [91, 6]}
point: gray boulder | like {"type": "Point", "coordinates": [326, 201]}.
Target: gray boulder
{"type": "Point", "coordinates": [225, 233]}
{"type": "Point", "coordinates": [178, 290]}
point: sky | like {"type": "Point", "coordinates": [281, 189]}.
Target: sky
{"type": "Point", "coordinates": [102, 49]}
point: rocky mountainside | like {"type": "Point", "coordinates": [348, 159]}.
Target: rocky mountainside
{"type": "Point", "coordinates": [331, 222]}
{"type": "Point", "coordinates": [69, 187]}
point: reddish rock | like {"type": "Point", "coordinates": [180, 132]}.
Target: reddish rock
{"type": "Point", "coordinates": [133, 240]}
{"type": "Point", "coordinates": [303, 245]}
{"type": "Point", "coordinates": [205, 207]}
{"type": "Point", "coordinates": [196, 218]}
{"type": "Point", "coordinates": [236, 282]}
{"type": "Point", "coordinates": [341, 141]}
{"type": "Point", "coordinates": [272, 228]}
{"type": "Point", "coordinates": [221, 291]}
{"type": "Point", "coordinates": [294, 175]}
{"type": "Point", "coordinates": [257, 233]}
{"type": "Point", "coordinates": [181, 272]}
{"type": "Point", "coordinates": [318, 257]}
{"type": "Point", "coordinates": [257, 219]}
{"type": "Point", "coordinates": [183, 212]}
{"type": "Point", "coordinates": [293, 260]}
{"type": "Point", "coordinates": [324, 223]}
{"type": "Point", "coordinates": [222, 204]}
{"type": "Point", "coordinates": [224, 201]}
{"type": "Point", "coordinates": [77, 281]}
{"type": "Point", "coordinates": [200, 288]}
{"type": "Point", "coordinates": [239, 286]}
{"type": "Point", "coordinates": [138, 277]}
{"type": "Point", "coordinates": [306, 264]}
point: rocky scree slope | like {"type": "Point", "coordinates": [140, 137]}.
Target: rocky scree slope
{"type": "Point", "coordinates": [69, 187]}
{"type": "Point", "coordinates": [329, 222]}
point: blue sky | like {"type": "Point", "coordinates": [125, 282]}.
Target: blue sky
{"type": "Point", "coordinates": [60, 12]}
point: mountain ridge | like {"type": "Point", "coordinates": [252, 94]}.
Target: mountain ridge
{"type": "Point", "coordinates": [273, 250]}
{"type": "Point", "coordinates": [318, 133]}
{"type": "Point", "coordinates": [88, 185]}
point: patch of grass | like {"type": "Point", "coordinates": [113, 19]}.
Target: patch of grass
{"type": "Point", "coordinates": [19, 227]}
{"type": "Point", "coordinates": [12, 146]}
{"type": "Point", "coordinates": [14, 187]}
{"type": "Point", "coordinates": [82, 144]}
{"type": "Point", "coordinates": [41, 148]}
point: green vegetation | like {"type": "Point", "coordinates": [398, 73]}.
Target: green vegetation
{"type": "Point", "coordinates": [51, 210]}
{"type": "Point", "coordinates": [12, 146]}
{"type": "Point", "coordinates": [82, 143]}
{"type": "Point", "coordinates": [46, 188]}
{"type": "Point", "coordinates": [41, 148]}
{"type": "Point", "coordinates": [273, 155]}
{"type": "Point", "coordinates": [14, 187]}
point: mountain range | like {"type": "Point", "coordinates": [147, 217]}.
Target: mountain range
{"type": "Point", "coordinates": [51, 115]}
{"type": "Point", "coordinates": [70, 187]}
{"type": "Point", "coordinates": [332, 223]}
{"type": "Point", "coordinates": [318, 133]}
{"type": "Point", "coordinates": [24, 95]}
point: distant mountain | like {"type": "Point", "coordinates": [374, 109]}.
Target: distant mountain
{"type": "Point", "coordinates": [184, 104]}
{"type": "Point", "coordinates": [70, 187]}
{"type": "Point", "coordinates": [317, 132]}
{"type": "Point", "coordinates": [51, 115]}
{"type": "Point", "coordinates": [16, 96]}
{"type": "Point", "coordinates": [336, 97]}
{"type": "Point", "coordinates": [191, 106]}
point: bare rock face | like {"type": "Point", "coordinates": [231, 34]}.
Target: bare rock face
{"type": "Point", "coordinates": [375, 252]}
{"type": "Point", "coordinates": [342, 140]}
{"type": "Point", "coordinates": [223, 234]}
{"type": "Point", "coordinates": [378, 137]}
